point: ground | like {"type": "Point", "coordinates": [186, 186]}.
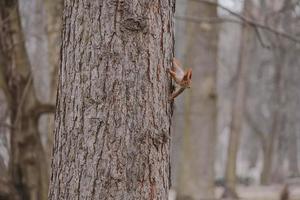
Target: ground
{"type": "Point", "coordinates": [271, 192]}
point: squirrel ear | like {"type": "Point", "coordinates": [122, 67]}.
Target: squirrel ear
{"type": "Point", "coordinates": [190, 73]}
{"type": "Point", "coordinates": [186, 76]}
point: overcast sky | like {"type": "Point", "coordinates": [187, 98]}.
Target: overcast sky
{"type": "Point", "coordinates": [234, 5]}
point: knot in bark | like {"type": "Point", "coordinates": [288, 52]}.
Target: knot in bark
{"type": "Point", "coordinates": [134, 24]}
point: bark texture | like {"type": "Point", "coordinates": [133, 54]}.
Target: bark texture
{"type": "Point", "coordinates": [112, 132]}
{"type": "Point", "coordinates": [196, 178]}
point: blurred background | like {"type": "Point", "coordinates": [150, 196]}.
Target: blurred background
{"type": "Point", "coordinates": [235, 133]}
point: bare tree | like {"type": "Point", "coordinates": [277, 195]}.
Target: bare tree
{"type": "Point", "coordinates": [198, 111]}
{"type": "Point", "coordinates": [27, 168]}
{"type": "Point", "coordinates": [112, 134]}
{"type": "Point", "coordinates": [278, 130]}
{"type": "Point", "coordinates": [238, 106]}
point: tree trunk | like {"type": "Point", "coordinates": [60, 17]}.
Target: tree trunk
{"type": "Point", "coordinates": [112, 134]}
{"type": "Point", "coordinates": [293, 152]}
{"type": "Point", "coordinates": [196, 178]}
{"type": "Point", "coordinates": [7, 190]}
{"type": "Point", "coordinates": [267, 159]}
{"type": "Point", "coordinates": [278, 120]}
{"type": "Point", "coordinates": [268, 153]}
{"type": "Point", "coordinates": [54, 10]}
{"type": "Point", "coordinates": [27, 161]}
{"type": "Point", "coordinates": [238, 107]}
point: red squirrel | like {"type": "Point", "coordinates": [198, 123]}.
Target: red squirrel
{"type": "Point", "coordinates": [183, 79]}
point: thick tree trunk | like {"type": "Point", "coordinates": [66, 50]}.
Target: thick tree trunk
{"type": "Point", "coordinates": [112, 134]}
{"type": "Point", "coordinates": [27, 161]}
{"type": "Point", "coordinates": [196, 178]}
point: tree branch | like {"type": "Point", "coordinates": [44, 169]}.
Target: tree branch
{"type": "Point", "coordinates": [222, 20]}
{"type": "Point", "coordinates": [212, 20]}
{"type": "Point", "coordinates": [6, 125]}
{"type": "Point", "coordinates": [23, 97]}
{"type": "Point", "coordinates": [41, 109]}
{"type": "Point", "coordinates": [249, 21]}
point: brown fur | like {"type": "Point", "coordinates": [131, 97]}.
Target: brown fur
{"type": "Point", "coordinates": [183, 81]}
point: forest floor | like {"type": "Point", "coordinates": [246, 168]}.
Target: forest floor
{"type": "Point", "coordinates": [271, 192]}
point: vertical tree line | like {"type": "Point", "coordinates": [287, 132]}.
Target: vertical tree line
{"type": "Point", "coordinates": [198, 109]}
{"type": "Point", "coordinates": [112, 132]}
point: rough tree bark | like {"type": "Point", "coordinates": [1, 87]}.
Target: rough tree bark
{"type": "Point", "coordinates": [27, 162]}
{"type": "Point", "coordinates": [196, 178]}
{"type": "Point", "coordinates": [112, 132]}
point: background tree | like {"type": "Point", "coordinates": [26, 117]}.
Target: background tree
{"type": "Point", "coordinates": [113, 115]}
{"type": "Point", "coordinates": [27, 163]}
{"type": "Point", "coordinates": [270, 97]}
{"type": "Point", "coordinates": [26, 171]}
{"type": "Point", "coordinates": [269, 129]}
{"type": "Point", "coordinates": [54, 10]}
{"type": "Point", "coordinates": [237, 111]}
{"type": "Point", "coordinates": [196, 171]}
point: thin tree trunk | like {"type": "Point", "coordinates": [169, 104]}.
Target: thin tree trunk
{"type": "Point", "coordinates": [196, 178]}
{"type": "Point", "coordinates": [293, 152]}
{"type": "Point", "coordinates": [278, 119]}
{"type": "Point", "coordinates": [267, 160]}
{"type": "Point", "coordinates": [112, 134]}
{"type": "Point", "coordinates": [54, 10]}
{"type": "Point", "coordinates": [238, 107]}
{"type": "Point", "coordinates": [268, 155]}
